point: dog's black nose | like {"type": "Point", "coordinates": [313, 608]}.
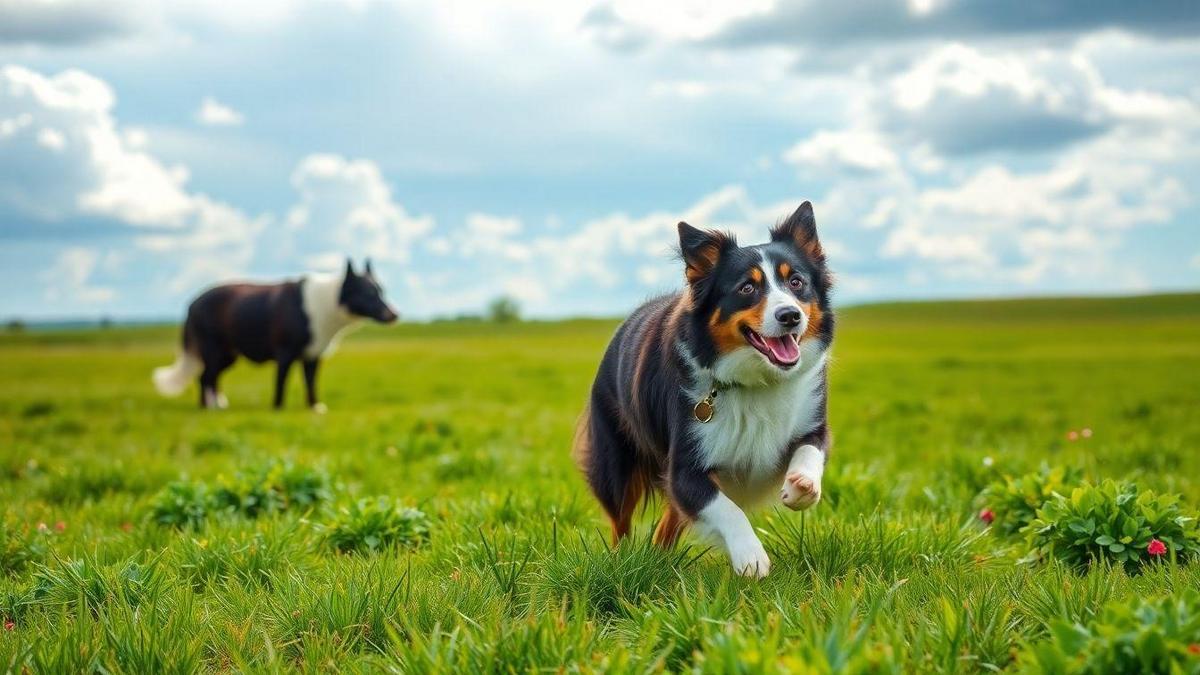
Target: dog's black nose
{"type": "Point", "coordinates": [788, 316]}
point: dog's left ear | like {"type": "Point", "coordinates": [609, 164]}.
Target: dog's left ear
{"type": "Point", "coordinates": [367, 268]}
{"type": "Point", "coordinates": [800, 229]}
{"type": "Point", "coordinates": [349, 268]}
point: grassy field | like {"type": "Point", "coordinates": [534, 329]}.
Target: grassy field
{"type": "Point", "coordinates": [143, 535]}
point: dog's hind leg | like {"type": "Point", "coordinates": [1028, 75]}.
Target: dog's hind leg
{"type": "Point", "coordinates": [609, 462]}
{"type": "Point", "coordinates": [216, 361]}
{"type": "Point", "coordinates": [670, 526]}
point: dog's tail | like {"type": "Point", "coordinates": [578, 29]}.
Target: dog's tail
{"type": "Point", "coordinates": [173, 379]}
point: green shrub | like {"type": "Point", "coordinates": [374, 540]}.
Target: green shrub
{"type": "Point", "coordinates": [20, 545]}
{"type": "Point", "coordinates": [273, 487]}
{"type": "Point", "coordinates": [375, 523]}
{"type": "Point", "coordinates": [181, 504]}
{"type": "Point", "coordinates": [253, 557]}
{"type": "Point", "coordinates": [1013, 501]}
{"type": "Point", "coordinates": [87, 581]}
{"type": "Point", "coordinates": [1148, 636]}
{"type": "Point", "coordinates": [1111, 521]}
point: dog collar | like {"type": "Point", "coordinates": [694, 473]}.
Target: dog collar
{"type": "Point", "coordinates": [706, 407]}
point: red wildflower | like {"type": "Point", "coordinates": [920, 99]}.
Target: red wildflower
{"type": "Point", "coordinates": [126, 526]}
{"type": "Point", "coordinates": [1072, 435]}
{"type": "Point", "coordinates": [1194, 648]}
{"type": "Point", "coordinates": [60, 526]}
{"type": "Point", "coordinates": [9, 625]}
{"type": "Point", "coordinates": [987, 516]}
{"type": "Point", "coordinates": [1156, 547]}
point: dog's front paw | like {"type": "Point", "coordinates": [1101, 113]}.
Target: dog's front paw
{"type": "Point", "coordinates": [800, 492]}
{"type": "Point", "coordinates": [750, 559]}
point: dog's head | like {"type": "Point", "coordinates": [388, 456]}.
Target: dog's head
{"type": "Point", "coordinates": [362, 295]}
{"type": "Point", "coordinates": [759, 306]}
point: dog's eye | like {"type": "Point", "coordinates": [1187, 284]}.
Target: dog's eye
{"type": "Point", "coordinates": [796, 282]}
{"type": "Point", "coordinates": [746, 289]}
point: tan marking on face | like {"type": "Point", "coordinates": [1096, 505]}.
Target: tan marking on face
{"type": "Point", "coordinates": [757, 275]}
{"type": "Point", "coordinates": [813, 311]}
{"type": "Point", "coordinates": [785, 270]}
{"type": "Point", "coordinates": [727, 333]}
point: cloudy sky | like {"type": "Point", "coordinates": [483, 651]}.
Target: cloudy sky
{"type": "Point", "coordinates": [545, 150]}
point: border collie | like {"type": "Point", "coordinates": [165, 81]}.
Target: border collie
{"type": "Point", "coordinates": [286, 322]}
{"type": "Point", "coordinates": [716, 395]}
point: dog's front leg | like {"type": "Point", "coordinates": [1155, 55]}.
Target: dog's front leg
{"type": "Point", "coordinates": [802, 483]}
{"type": "Point", "coordinates": [717, 517]}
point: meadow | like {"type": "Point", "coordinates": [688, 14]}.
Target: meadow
{"type": "Point", "coordinates": [433, 521]}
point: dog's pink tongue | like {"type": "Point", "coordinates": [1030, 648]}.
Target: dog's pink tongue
{"type": "Point", "coordinates": [783, 348]}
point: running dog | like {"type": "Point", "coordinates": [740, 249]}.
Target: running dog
{"type": "Point", "coordinates": [291, 321]}
{"type": "Point", "coordinates": [716, 396]}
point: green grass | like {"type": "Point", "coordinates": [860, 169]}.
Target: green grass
{"type": "Point", "coordinates": [471, 424]}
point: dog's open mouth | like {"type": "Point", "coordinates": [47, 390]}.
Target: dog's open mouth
{"type": "Point", "coordinates": [783, 351]}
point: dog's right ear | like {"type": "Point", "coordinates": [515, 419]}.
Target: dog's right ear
{"type": "Point", "coordinates": [701, 250]}
{"type": "Point", "coordinates": [349, 268]}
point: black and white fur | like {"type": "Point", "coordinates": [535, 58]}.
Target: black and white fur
{"type": "Point", "coordinates": [729, 330]}
{"type": "Point", "coordinates": [286, 322]}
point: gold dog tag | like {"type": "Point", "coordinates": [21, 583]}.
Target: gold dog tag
{"type": "Point", "coordinates": [704, 409]}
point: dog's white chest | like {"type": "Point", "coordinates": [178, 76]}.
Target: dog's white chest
{"type": "Point", "coordinates": [326, 317]}
{"type": "Point", "coordinates": [751, 426]}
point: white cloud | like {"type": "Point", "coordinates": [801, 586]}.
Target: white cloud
{"type": "Point", "coordinates": [491, 235]}
{"type": "Point", "coordinates": [63, 127]}
{"type": "Point", "coordinates": [69, 278]}
{"type": "Point", "coordinates": [75, 160]}
{"type": "Point", "coordinates": [998, 224]}
{"type": "Point", "coordinates": [848, 150]}
{"type": "Point", "coordinates": [63, 22]}
{"type": "Point", "coordinates": [964, 100]}
{"type": "Point", "coordinates": [904, 169]}
{"type": "Point", "coordinates": [346, 208]}
{"type": "Point", "coordinates": [213, 113]}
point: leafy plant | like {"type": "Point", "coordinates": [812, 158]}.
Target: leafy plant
{"type": "Point", "coordinates": [1112, 521]}
{"type": "Point", "coordinates": [375, 523]}
{"type": "Point", "coordinates": [1160, 635]}
{"type": "Point", "coordinates": [1013, 501]}
{"type": "Point", "coordinates": [181, 504]}
{"type": "Point", "coordinates": [273, 487]}
{"type": "Point", "coordinates": [20, 545]}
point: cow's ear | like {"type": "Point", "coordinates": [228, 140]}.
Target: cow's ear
{"type": "Point", "coordinates": [800, 229]}
{"type": "Point", "coordinates": [701, 250]}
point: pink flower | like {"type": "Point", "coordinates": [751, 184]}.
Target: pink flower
{"type": "Point", "coordinates": [9, 625]}
{"type": "Point", "coordinates": [987, 516]}
{"type": "Point", "coordinates": [1156, 547]}
{"type": "Point", "coordinates": [1194, 648]}
{"type": "Point", "coordinates": [1072, 435]}
{"type": "Point", "coordinates": [60, 526]}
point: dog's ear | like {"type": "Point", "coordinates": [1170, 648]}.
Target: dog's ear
{"type": "Point", "coordinates": [367, 268]}
{"type": "Point", "coordinates": [800, 229]}
{"type": "Point", "coordinates": [349, 268]}
{"type": "Point", "coordinates": [701, 250]}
